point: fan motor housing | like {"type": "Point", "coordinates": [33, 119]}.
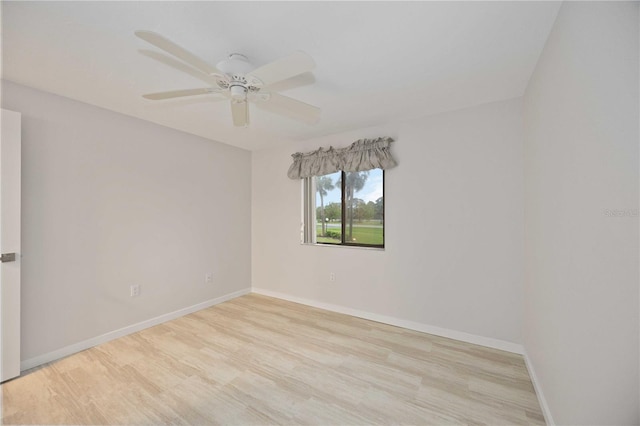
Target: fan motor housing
{"type": "Point", "coordinates": [235, 68]}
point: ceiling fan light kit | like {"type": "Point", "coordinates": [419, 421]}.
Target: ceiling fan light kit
{"type": "Point", "coordinates": [238, 80]}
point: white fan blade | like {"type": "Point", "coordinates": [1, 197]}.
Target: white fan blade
{"type": "Point", "coordinates": [300, 80]}
{"type": "Point", "coordinates": [240, 113]}
{"type": "Point", "coordinates": [180, 93]}
{"type": "Point", "coordinates": [290, 107]}
{"type": "Point", "coordinates": [179, 52]}
{"type": "Point", "coordinates": [180, 66]}
{"type": "Point", "coordinates": [283, 68]}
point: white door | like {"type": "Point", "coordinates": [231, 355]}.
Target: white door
{"type": "Point", "coordinates": [10, 143]}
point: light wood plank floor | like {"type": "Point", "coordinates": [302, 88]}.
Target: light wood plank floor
{"type": "Point", "coordinates": [258, 360]}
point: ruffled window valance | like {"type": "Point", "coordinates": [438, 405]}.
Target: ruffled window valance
{"type": "Point", "coordinates": [364, 154]}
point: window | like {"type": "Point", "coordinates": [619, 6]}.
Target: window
{"type": "Point", "coordinates": [345, 208]}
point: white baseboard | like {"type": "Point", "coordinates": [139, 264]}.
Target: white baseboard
{"type": "Point", "coordinates": [536, 385]}
{"type": "Point", "coordinates": [425, 328]}
{"type": "Point", "coordinates": [94, 341]}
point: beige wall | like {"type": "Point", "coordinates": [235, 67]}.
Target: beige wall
{"type": "Point", "coordinates": [454, 227]}
{"type": "Point", "coordinates": [110, 201]}
{"type": "Point", "coordinates": [581, 160]}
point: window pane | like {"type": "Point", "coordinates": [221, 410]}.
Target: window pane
{"type": "Point", "coordinates": [364, 216]}
{"type": "Point", "coordinates": [329, 208]}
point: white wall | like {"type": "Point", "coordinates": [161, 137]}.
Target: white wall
{"type": "Point", "coordinates": [454, 226]}
{"type": "Point", "coordinates": [110, 201]}
{"type": "Point", "coordinates": [581, 151]}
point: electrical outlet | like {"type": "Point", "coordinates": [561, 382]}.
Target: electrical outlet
{"type": "Point", "coordinates": [332, 277]}
{"type": "Point", "coordinates": [135, 290]}
{"type": "Point", "coordinates": [208, 278]}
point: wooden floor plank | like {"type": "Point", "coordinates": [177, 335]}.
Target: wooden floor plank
{"type": "Point", "coordinates": [259, 360]}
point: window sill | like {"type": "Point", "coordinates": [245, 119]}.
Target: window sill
{"type": "Point", "coordinates": [343, 246]}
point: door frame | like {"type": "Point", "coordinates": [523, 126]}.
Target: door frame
{"type": "Point", "coordinates": [10, 202]}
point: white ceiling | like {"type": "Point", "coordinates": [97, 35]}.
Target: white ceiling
{"type": "Point", "coordinates": [376, 61]}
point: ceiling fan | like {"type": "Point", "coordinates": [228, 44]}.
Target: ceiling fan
{"type": "Point", "coordinates": [236, 79]}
